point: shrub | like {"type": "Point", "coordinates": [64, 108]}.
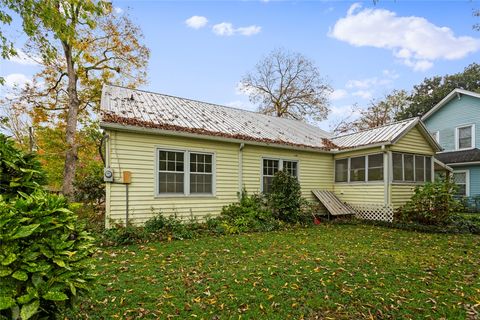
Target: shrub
{"type": "Point", "coordinates": [45, 256]}
{"type": "Point", "coordinates": [90, 189]}
{"type": "Point", "coordinates": [249, 214]}
{"type": "Point", "coordinates": [120, 235]}
{"type": "Point", "coordinates": [171, 227]}
{"type": "Point", "coordinates": [433, 203]}
{"type": "Point", "coordinates": [285, 199]}
{"type": "Point", "coordinates": [19, 172]}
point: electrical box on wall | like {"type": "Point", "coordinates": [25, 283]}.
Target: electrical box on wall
{"type": "Point", "coordinates": [108, 175]}
{"type": "Point", "coordinates": [127, 177]}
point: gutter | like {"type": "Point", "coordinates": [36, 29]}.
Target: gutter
{"type": "Point", "coordinates": [135, 129]}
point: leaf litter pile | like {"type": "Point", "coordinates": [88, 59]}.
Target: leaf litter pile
{"type": "Point", "coordinates": [326, 272]}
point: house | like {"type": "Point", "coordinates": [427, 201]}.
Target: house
{"type": "Point", "coordinates": [454, 123]}
{"type": "Point", "coordinates": [191, 158]}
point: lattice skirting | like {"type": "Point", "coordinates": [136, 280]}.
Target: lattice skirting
{"type": "Point", "coordinates": [373, 211]}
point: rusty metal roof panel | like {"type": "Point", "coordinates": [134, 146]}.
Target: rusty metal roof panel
{"type": "Point", "coordinates": [148, 109]}
{"type": "Point", "coordinates": [384, 134]}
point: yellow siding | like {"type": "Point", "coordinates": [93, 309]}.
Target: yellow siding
{"type": "Point", "coordinates": [354, 153]}
{"type": "Point", "coordinates": [136, 153]}
{"type": "Point", "coordinates": [360, 193]}
{"type": "Point", "coordinates": [413, 142]}
{"type": "Point", "coordinates": [401, 193]}
{"type": "Point", "coordinates": [315, 169]}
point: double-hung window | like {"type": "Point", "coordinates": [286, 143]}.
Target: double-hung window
{"type": "Point", "coordinates": [465, 137]}
{"type": "Point", "coordinates": [185, 173]}
{"type": "Point", "coordinates": [461, 180]}
{"type": "Point", "coordinates": [272, 166]}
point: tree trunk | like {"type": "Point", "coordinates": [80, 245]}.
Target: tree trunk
{"type": "Point", "coordinates": [71, 129]}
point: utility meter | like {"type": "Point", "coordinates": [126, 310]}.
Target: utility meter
{"type": "Point", "coordinates": [107, 175]}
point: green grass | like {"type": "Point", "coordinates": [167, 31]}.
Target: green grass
{"type": "Point", "coordinates": [329, 271]}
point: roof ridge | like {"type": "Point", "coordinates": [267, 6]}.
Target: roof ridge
{"type": "Point", "coordinates": [220, 105]}
{"type": "Point", "coordinates": [369, 129]}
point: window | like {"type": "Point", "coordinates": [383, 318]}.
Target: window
{"type": "Point", "coordinates": [397, 166]}
{"type": "Point", "coordinates": [341, 170]}
{"type": "Point", "coordinates": [272, 166]}
{"type": "Point", "coordinates": [410, 168]}
{"type": "Point", "coordinates": [408, 173]}
{"type": "Point", "coordinates": [461, 180]}
{"type": "Point", "coordinates": [465, 137]}
{"type": "Point", "coordinates": [375, 167]}
{"type": "Point", "coordinates": [185, 173]}
{"type": "Point", "coordinates": [419, 168]}
{"type": "Point", "coordinates": [290, 167]}
{"type": "Point", "coordinates": [200, 173]}
{"type": "Point", "coordinates": [355, 169]}
{"type": "Point", "coordinates": [428, 169]}
{"type": "Point", "coordinates": [171, 172]}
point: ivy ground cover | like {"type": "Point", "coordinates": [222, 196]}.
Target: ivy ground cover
{"type": "Point", "coordinates": [329, 271]}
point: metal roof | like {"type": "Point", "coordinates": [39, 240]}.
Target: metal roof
{"type": "Point", "coordinates": [152, 110]}
{"type": "Point", "coordinates": [389, 133]}
{"type": "Point", "coordinates": [138, 108]}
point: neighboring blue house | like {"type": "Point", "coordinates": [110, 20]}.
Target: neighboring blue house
{"type": "Point", "coordinates": [455, 123]}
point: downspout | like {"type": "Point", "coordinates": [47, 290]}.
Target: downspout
{"type": "Point", "coordinates": [386, 176]}
{"type": "Point", "coordinates": [240, 169]}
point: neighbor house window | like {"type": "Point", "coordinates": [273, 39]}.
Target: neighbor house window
{"type": "Point", "coordinates": [341, 170]}
{"type": "Point", "coordinates": [272, 166]}
{"type": "Point", "coordinates": [355, 169]}
{"type": "Point", "coordinates": [201, 175]}
{"type": "Point", "coordinates": [411, 168]}
{"type": "Point", "coordinates": [461, 180]}
{"type": "Point", "coordinates": [185, 173]}
{"type": "Point", "coordinates": [465, 137]}
{"type": "Point", "coordinates": [171, 172]}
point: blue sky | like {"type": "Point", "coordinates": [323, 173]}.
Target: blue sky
{"type": "Point", "coordinates": [363, 50]}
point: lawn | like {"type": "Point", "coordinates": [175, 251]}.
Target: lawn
{"type": "Point", "coordinates": [329, 271]}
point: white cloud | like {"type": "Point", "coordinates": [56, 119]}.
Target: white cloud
{"type": "Point", "coordinates": [227, 29]}
{"type": "Point", "coordinates": [249, 31]}
{"type": "Point", "coordinates": [118, 10]}
{"type": "Point", "coordinates": [23, 59]}
{"type": "Point", "coordinates": [338, 94]}
{"type": "Point", "coordinates": [223, 29]}
{"type": "Point", "coordinates": [413, 40]}
{"type": "Point", "coordinates": [196, 22]}
{"type": "Point", "coordinates": [16, 80]}
{"type": "Point", "coordinates": [364, 94]}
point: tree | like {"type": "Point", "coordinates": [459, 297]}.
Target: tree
{"type": "Point", "coordinates": [432, 90]}
{"type": "Point", "coordinates": [377, 114]}
{"type": "Point", "coordinates": [286, 84]}
{"type": "Point", "coordinates": [82, 45]}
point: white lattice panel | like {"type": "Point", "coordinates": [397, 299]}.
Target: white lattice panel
{"type": "Point", "coordinates": [373, 212]}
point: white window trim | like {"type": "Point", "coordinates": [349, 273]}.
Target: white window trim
{"type": "Point", "coordinates": [472, 130]}
{"type": "Point", "coordinates": [467, 180]}
{"type": "Point", "coordinates": [437, 136]}
{"type": "Point", "coordinates": [280, 167]}
{"type": "Point", "coordinates": [186, 173]}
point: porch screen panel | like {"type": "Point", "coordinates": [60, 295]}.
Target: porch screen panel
{"type": "Point", "coordinates": [375, 167]}
{"type": "Point", "coordinates": [397, 166]}
{"type": "Point", "coordinates": [357, 169]}
{"type": "Point", "coordinates": [428, 169]}
{"type": "Point", "coordinates": [341, 170]}
{"type": "Point", "coordinates": [408, 167]}
{"type": "Point", "coordinates": [419, 168]}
